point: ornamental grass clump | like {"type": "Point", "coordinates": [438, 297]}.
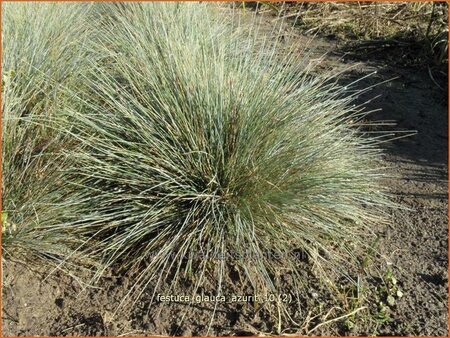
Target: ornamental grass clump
{"type": "Point", "coordinates": [41, 51]}
{"type": "Point", "coordinates": [200, 149]}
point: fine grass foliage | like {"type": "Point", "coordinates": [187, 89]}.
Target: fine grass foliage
{"type": "Point", "coordinates": [41, 52]}
{"type": "Point", "coordinates": [201, 149]}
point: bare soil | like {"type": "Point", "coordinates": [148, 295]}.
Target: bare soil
{"type": "Point", "coordinates": [403, 293]}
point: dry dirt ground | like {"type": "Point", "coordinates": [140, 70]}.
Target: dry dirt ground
{"type": "Point", "coordinates": [403, 293]}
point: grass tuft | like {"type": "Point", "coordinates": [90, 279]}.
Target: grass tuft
{"type": "Point", "coordinates": [42, 50]}
{"type": "Point", "coordinates": [197, 141]}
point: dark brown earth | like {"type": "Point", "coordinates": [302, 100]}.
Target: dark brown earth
{"type": "Point", "coordinates": [404, 292]}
